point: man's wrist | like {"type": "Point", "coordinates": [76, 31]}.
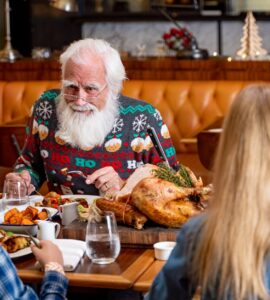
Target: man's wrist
{"type": "Point", "coordinates": [54, 266]}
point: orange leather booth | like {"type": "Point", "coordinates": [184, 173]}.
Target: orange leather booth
{"type": "Point", "coordinates": [187, 107]}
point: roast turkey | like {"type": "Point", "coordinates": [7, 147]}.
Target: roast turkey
{"type": "Point", "coordinates": [158, 193]}
{"type": "Point", "coordinates": [145, 171]}
{"type": "Point", "coordinates": [165, 203]}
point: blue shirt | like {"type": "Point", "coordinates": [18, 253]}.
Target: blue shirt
{"type": "Point", "coordinates": [174, 282]}
{"type": "Point", "coordinates": [54, 284]}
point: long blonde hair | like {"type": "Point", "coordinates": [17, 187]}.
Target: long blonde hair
{"type": "Point", "coordinates": [235, 237]}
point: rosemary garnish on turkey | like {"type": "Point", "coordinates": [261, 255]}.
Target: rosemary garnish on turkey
{"type": "Point", "coordinates": [180, 178]}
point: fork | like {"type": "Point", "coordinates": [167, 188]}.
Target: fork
{"type": "Point", "coordinates": [36, 191]}
{"type": "Point", "coordinates": [65, 171]}
{"type": "Point", "coordinates": [37, 244]}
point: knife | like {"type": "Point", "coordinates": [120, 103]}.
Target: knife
{"type": "Point", "coordinates": [155, 140]}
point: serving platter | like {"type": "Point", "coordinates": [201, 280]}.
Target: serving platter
{"type": "Point", "coordinates": [129, 237]}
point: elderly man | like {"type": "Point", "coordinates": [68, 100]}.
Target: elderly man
{"type": "Point", "coordinates": [89, 126]}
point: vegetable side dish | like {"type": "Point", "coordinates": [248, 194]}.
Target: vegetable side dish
{"type": "Point", "coordinates": [28, 216]}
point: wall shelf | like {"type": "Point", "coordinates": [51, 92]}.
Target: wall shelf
{"type": "Point", "coordinates": [156, 16]}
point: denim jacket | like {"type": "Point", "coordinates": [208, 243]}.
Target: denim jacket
{"type": "Point", "coordinates": [174, 282]}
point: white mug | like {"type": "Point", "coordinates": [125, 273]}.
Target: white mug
{"type": "Point", "coordinates": [68, 213]}
{"type": "Point", "coordinates": [48, 230]}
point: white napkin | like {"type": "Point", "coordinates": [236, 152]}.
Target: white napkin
{"type": "Point", "coordinates": [72, 250]}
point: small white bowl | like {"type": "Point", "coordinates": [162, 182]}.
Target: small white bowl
{"type": "Point", "coordinates": [163, 250]}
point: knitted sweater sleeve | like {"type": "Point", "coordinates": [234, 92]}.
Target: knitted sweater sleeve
{"type": "Point", "coordinates": [30, 158]}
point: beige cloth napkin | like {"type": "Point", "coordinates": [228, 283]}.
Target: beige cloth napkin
{"type": "Point", "coordinates": [73, 251]}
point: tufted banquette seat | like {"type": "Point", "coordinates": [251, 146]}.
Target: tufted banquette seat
{"type": "Point", "coordinates": [17, 97]}
{"type": "Point", "coordinates": [187, 107]}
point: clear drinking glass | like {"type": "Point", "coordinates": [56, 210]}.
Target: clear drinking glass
{"type": "Point", "coordinates": [15, 193]}
{"type": "Point", "coordinates": [102, 238]}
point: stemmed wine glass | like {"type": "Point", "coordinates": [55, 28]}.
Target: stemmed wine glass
{"type": "Point", "coordinates": [102, 238]}
{"type": "Point", "coordinates": [15, 193]}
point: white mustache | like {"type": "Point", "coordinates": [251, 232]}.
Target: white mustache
{"type": "Point", "coordinates": [86, 107]}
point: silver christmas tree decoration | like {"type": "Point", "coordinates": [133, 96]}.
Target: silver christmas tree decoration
{"type": "Point", "coordinates": [251, 42]}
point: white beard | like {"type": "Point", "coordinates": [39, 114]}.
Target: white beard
{"type": "Point", "coordinates": [86, 130]}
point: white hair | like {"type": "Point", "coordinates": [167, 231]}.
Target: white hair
{"type": "Point", "coordinates": [83, 130]}
{"type": "Point", "coordinates": [114, 68]}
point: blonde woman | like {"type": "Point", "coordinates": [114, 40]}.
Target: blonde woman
{"type": "Point", "coordinates": [226, 250]}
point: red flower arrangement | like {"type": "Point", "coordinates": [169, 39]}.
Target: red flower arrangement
{"type": "Point", "coordinates": [178, 38]}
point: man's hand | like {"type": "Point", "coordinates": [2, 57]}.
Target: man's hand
{"type": "Point", "coordinates": [25, 175]}
{"type": "Point", "coordinates": [106, 180]}
{"type": "Point", "coordinates": [49, 252]}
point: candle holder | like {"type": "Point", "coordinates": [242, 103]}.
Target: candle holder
{"type": "Point", "coordinates": [8, 54]}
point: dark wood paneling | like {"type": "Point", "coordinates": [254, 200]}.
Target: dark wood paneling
{"type": "Point", "coordinates": [28, 69]}
{"type": "Point", "coordinates": [149, 68]}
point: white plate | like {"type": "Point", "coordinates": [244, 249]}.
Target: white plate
{"type": "Point", "coordinates": [89, 198]}
{"type": "Point", "coordinates": [35, 198]}
{"type": "Point", "coordinates": [21, 253]}
{"type": "Point", "coordinates": [31, 229]}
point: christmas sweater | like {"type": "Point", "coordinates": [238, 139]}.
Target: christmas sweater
{"type": "Point", "coordinates": [125, 148]}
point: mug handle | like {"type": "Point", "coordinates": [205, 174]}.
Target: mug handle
{"type": "Point", "coordinates": [57, 229]}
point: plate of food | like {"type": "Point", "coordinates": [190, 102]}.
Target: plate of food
{"type": "Point", "coordinates": [24, 219]}
{"type": "Point", "coordinates": [54, 200]}
{"type": "Point", "coordinates": [67, 205]}
{"type": "Point", "coordinates": [17, 245]}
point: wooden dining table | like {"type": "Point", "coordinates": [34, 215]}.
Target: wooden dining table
{"type": "Point", "coordinates": [122, 274]}
{"type": "Point", "coordinates": [131, 265]}
{"type": "Point", "coordinates": [136, 261]}
{"type": "Point", "coordinates": [144, 282]}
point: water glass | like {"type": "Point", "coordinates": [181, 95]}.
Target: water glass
{"type": "Point", "coordinates": [15, 193]}
{"type": "Point", "coordinates": [102, 238]}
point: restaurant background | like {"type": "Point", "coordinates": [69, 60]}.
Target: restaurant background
{"type": "Point", "coordinates": [138, 34]}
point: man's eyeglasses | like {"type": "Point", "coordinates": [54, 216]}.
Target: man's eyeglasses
{"type": "Point", "coordinates": [92, 92]}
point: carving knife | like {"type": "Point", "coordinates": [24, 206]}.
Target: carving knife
{"type": "Point", "coordinates": [155, 140]}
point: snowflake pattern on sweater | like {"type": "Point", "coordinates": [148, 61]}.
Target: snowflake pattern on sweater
{"type": "Point", "coordinates": [125, 148]}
